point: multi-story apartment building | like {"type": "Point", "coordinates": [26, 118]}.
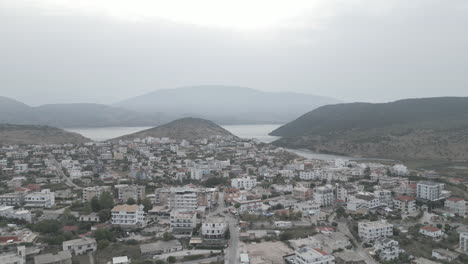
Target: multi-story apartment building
{"type": "Point", "coordinates": [125, 192]}
{"type": "Point", "coordinates": [309, 175]}
{"type": "Point", "coordinates": [307, 208]}
{"type": "Point", "coordinates": [323, 195]}
{"type": "Point", "coordinates": [44, 198]}
{"type": "Point", "coordinates": [182, 222]}
{"type": "Point", "coordinates": [370, 231]}
{"type": "Point", "coordinates": [387, 249]}
{"type": "Point", "coordinates": [344, 192]}
{"type": "Point", "coordinates": [186, 197]}
{"type": "Point", "coordinates": [463, 242]}
{"type": "Point", "coordinates": [302, 193]}
{"type": "Point", "coordinates": [431, 191]}
{"type": "Point", "coordinates": [385, 197]}
{"type": "Point", "coordinates": [18, 256]}
{"type": "Point", "coordinates": [362, 201]}
{"type": "Point", "coordinates": [306, 255]}
{"type": "Point", "coordinates": [90, 192]}
{"type": "Point", "coordinates": [12, 199]}
{"type": "Point", "coordinates": [128, 215]}
{"type": "Point", "coordinates": [405, 204]}
{"type": "Point", "coordinates": [183, 199]}
{"type": "Point", "coordinates": [214, 228]}
{"type": "Point", "coordinates": [456, 205]}
{"type": "Point", "coordinates": [9, 212]}
{"type": "Point", "coordinates": [245, 183]}
{"type": "Point", "coordinates": [80, 246]}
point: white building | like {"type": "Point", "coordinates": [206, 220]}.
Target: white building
{"type": "Point", "coordinates": [344, 192]}
{"type": "Point", "coordinates": [431, 231]}
{"type": "Point", "coordinates": [362, 201]}
{"type": "Point", "coordinates": [14, 257]}
{"type": "Point", "coordinates": [245, 183]}
{"type": "Point", "coordinates": [387, 249]}
{"type": "Point", "coordinates": [125, 192]}
{"type": "Point", "coordinates": [214, 228]}
{"type": "Point", "coordinates": [183, 198]}
{"type": "Point", "coordinates": [463, 243]}
{"type": "Point", "coordinates": [323, 195]}
{"type": "Point", "coordinates": [385, 197]}
{"type": "Point", "coordinates": [90, 192]}
{"type": "Point", "coordinates": [183, 222]}
{"type": "Point", "coordinates": [370, 231]}
{"type": "Point", "coordinates": [405, 204]}
{"type": "Point", "coordinates": [308, 255]}
{"type": "Point", "coordinates": [10, 213]}
{"type": "Point", "coordinates": [80, 246]}
{"type": "Point", "coordinates": [44, 198]}
{"type": "Point", "coordinates": [456, 205]}
{"type": "Point", "coordinates": [400, 170]}
{"type": "Point", "coordinates": [128, 215]}
{"type": "Point", "coordinates": [21, 168]}
{"type": "Point", "coordinates": [307, 208]}
{"type": "Point", "coordinates": [309, 175]}
{"type": "Point", "coordinates": [431, 191]}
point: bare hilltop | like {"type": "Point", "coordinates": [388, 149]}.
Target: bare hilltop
{"type": "Point", "coordinates": [37, 134]}
{"type": "Point", "coordinates": [188, 128]}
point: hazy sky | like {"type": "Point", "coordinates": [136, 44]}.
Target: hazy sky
{"type": "Point", "coordinates": [355, 50]}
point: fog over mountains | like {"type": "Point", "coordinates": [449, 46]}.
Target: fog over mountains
{"type": "Point", "coordinates": [221, 104]}
{"type": "Point", "coordinates": [227, 104]}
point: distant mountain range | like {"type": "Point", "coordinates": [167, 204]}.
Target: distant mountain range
{"type": "Point", "coordinates": [31, 135]}
{"type": "Point", "coordinates": [185, 128]}
{"type": "Point", "coordinates": [72, 115]}
{"type": "Point", "coordinates": [428, 128]}
{"type": "Point", "coordinates": [227, 104]}
{"type": "Point", "coordinates": [222, 104]}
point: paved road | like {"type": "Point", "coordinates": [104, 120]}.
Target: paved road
{"type": "Point", "coordinates": [343, 228]}
{"type": "Point", "coordinates": [62, 174]}
{"type": "Point", "coordinates": [231, 253]}
{"type": "Point", "coordinates": [206, 260]}
{"type": "Point", "coordinates": [184, 253]}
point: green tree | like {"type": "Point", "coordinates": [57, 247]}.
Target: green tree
{"type": "Point", "coordinates": [103, 244]}
{"type": "Point", "coordinates": [95, 204]}
{"type": "Point", "coordinates": [104, 215]}
{"type": "Point", "coordinates": [106, 201]}
{"type": "Point", "coordinates": [131, 201]}
{"type": "Point", "coordinates": [171, 259]}
{"type": "Point", "coordinates": [147, 205]}
{"type": "Point", "coordinates": [104, 234]}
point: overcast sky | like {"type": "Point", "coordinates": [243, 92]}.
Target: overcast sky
{"type": "Point", "coordinates": [104, 51]}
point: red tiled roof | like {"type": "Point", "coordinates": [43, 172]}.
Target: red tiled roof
{"type": "Point", "coordinates": [70, 228]}
{"type": "Point", "coordinates": [455, 199]}
{"type": "Point", "coordinates": [321, 251]}
{"type": "Point", "coordinates": [405, 198]}
{"type": "Point", "coordinates": [6, 238]}
{"type": "Point", "coordinates": [430, 228]}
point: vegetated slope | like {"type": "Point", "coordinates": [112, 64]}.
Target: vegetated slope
{"type": "Point", "coordinates": [36, 135]}
{"type": "Point", "coordinates": [185, 128]}
{"type": "Point", "coordinates": [428, 128]}
{"type": "Point", "coordinates": [227, 104]}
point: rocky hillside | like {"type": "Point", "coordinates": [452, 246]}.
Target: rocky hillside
{"type": "Point", "coordinates": [185, 128]}
{"type": "Point", "coordinates": [32, 134]}
{"type": "Point", "coordinates": [429, 128]}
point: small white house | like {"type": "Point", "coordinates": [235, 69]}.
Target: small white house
{"type": "Point", "coordinates": [431, 231]}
